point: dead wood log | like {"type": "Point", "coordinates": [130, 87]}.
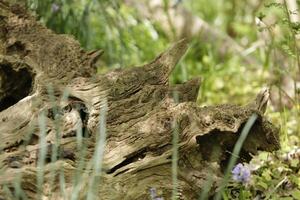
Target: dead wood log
{"type": "Point", "coordinates": [55, 112]}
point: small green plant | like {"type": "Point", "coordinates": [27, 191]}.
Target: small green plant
{"type": "Point", "coordinates": [272, 177]}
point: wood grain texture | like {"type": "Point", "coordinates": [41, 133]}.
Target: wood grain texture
{"type": "Point", "coordinates": [140, 112]}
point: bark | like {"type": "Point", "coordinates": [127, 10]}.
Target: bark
{"type": "Point", "coordinates": [56, 112]}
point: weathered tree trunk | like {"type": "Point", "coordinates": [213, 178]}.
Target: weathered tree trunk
{"type": "Point", "coordinates": [56, 112]}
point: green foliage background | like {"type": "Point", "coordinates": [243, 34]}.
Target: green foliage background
{"type": "Point", "coordinates": [129, 40]}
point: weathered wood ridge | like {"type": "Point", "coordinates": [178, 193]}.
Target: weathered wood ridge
{"type": "Point", "coordinates": [49, 86]}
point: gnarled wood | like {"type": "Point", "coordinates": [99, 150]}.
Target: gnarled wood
{"type": "Point", "coordinates": [68, 109]}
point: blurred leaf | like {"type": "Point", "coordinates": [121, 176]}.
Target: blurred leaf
{"type": "Point", "coordinates": [294, 162]}
{"type": "Point", "coordinates": [267, 175]}
{"type": "Point", "coordinates": [263, 185]}
{"type": "Point", "coordinates": [263, 156]}
{"type": "Point", "coordinates": [296, 194]}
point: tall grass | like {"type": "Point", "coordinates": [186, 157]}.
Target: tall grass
{"type": "Point", "coordinates": [42, 153]}
{"type": "Point", "coordinates": [236, 151]}
{"type": "Point", "coordinates": [98, 154]}
{"type": "Point", "coordinates": [175, 141]}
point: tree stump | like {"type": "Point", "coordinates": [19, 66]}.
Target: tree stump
{"type": "Point", "coordinates": [69, 133]}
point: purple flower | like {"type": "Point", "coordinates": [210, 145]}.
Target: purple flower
{"type": "Point", "coordinates": [55, 7]}
{"type": "Point", "coordinates": [154, 195]}
{"type": "Point", "coordinates": [241, 173]}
